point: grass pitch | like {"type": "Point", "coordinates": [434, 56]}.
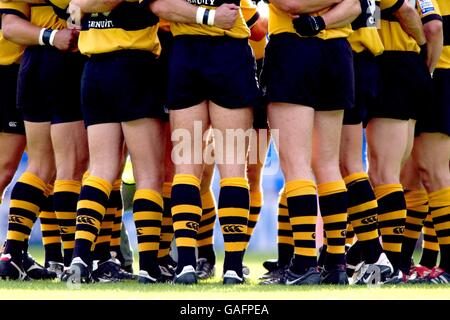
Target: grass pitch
{"type": "Point", "coordinates": [213, 289]}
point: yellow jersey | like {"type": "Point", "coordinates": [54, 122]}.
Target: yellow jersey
{"type": "Point", "coordinates": [239, 30]}
{"type": "Point", "coordinates": [365, 34]}
{"type": "Point", "coordinates": [444, 60]}
{"type": "Point", "coordinates": [281, 22]}
{"type": "Point", "coordinates": [129, 26]}
{"type": "Point", "coordinates": [40, 15]}
{"type": "Point", "coordinates": [392, 35]}
{"type": "Point", "coordinates": [251, 15]}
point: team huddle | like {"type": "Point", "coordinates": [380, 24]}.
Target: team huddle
{"type": "Point", "coordinates": [87, 83]}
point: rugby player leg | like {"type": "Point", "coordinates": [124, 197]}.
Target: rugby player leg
{"type": "Point", "coordinates": [388, 144]}
{"type": "Point", "coordinates": [145, 141]}
{"type": "Point", "coordinates": [332, 192]}
{"type": "Point", "coordinates": [234, 191]}
{"type": "Point", "coordinates": [9, 161]}
{"type": "Point", "coordinates": [186, 200]}
{"type": "Point", "coordinates": [294, 126]}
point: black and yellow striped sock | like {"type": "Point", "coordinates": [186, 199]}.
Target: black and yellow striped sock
{"type": "Point", "coordinates": [349, 234]}
{"type": "Point", "coordinates": [285, 239]}
{"type": "Point", "coordinates": [205, 235]}
{"type": "Point", "coordinates": [147, 213]}
{"type": "Point", "coordinates": [90, 211]}
{"type": "Point", "coordinates": [256, 203]}
{"type": "Point", "coordinates": [391, 220]}
{"type": "Point", "coordinates": [302, 205]}
{"type": "Point", "coordinates": [186, 213]}
{"type": "Point", "coordinates": [167, 224]}
{"type": "Point", "coordinates": [323, 251]}
{"type": "Point", "coordinates": [430, 245]}
{"type": "Point", "coordinates": [66, 197]}
{"type": "Point", "coordinates": [27, 197]}
{"type": "Point", "coordinates": [233, 210]}
{"type": "Point", "coordinates": [333, 208]}
{"type": "Point", "coordinates": [417, 210]}
{"type": "Point", "coordinates": [117, 202]}
{"type": "Point", "coordinates": [51, 237]}
{"type": "Point", "coordinates": [102, 243]}
{"type": "Point", "coordinates": [439, 202]}
{"type": "Point", "coordinates": [362, 214]}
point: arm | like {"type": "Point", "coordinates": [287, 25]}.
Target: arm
{"type": "Point", "coordinates": [23, 32]}
{"type": "Point", "coordinates": [259, 30]}
{"type": "Point", "coordinates": [435, 38]}
{"type": "Point", "coordinates": [183, 12]}
{"type": "Point", "coordinates": [295, 7]}
{"type": "Point", "coordinates": [342, 14]}
{"type": "Point", "coordinates": [338, 16]}
{"type": "Point", "coordinates": [410, 21]}
{"type": "Point", "coordinates": [93, 6]}
{"type": "Point", "coordinates": [20, 31]}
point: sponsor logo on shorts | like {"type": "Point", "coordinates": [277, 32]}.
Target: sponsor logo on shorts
{"type": "Point", "coordinates": [12, 124]}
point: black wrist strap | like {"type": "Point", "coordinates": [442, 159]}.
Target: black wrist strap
{"type": "Point", "coordinates": [46, 36]}
{"type": "Point", "coordinates": [205, 16]}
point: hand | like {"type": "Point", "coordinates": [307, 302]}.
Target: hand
{"type": "Point", "coordinates": [65, 39]}
{"type": "Point", "coordinates": [226, 16]}
{"type": "Point", "coordinates": [308, 26]}
{"type": "Point", "coordinates": [74, 22]}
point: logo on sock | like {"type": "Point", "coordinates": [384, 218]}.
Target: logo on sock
{"type": "Point", "coordinates": [343, 233]}
{"type": "Point", "coordinates": [192, 225]}
{"type": "Point", "coordinates": [399, 230]}
{"type": "Point", "coordinates": [232, 228]}
{"type": "Point", "coordinates": [139, 231]}
{"type": "Point", "coordinates": [15, 219]}
{"type": "Point", "coordinates": [63, 230]}
{"type": "Point", "coordinates": [86, 220]}
{"type": "Point", "coordinates": [369, 220]}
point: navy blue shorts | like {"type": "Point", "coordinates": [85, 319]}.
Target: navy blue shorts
{"type": "Point", "coordinates": [309, 71]}
{"type": "Point", "coordinates": [367, 87]}
{"type": "Point", "coordinates": [48, 89]}
{"type": "Point", "coordinates": [260, 110]}
{"type": "Point", "coordinates": [435, 117]}
{"type": "Point", "coordinates": [10, 117]}
{"type": "Point", "coordinates": [406, 86]}
{"type": "Point", "coordinates": [166, 40]}
{"type": "Point", "coordinates": [217, 69]}
{"type": "Point", "coordinates": [120, 86]}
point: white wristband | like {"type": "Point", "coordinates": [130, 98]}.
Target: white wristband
{"type": "Point", "coordinates": [41, 35]}
{"type": "Point", "coordinates": [52, 37]}
{"type": "Point", "coordinates": [212, 14]}
{"type": "Point", "coordinates": [199, 16]}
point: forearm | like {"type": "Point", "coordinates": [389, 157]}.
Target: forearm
{"type": "Point", "coordinates": [303, 6]}
{"type": "Point", "coordinates": [410, 21]}
{"type": "Point", "coordinates": [93, 6]}
{"type": "Point", "coordinates": [20, 31]}
{"type": "Point", "coordinates": [175, 10]}
{"type": "Point", "coordinates": [342, 14]}
{"type": "Point", "coordinates": [435, 38]}
{"type": "Point", "coordinates": [25, 1]}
